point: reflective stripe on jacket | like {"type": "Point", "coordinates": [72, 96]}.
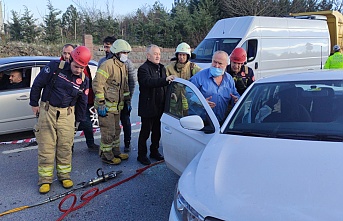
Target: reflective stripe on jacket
{"type": "Point", "coordinates": [110, 85]}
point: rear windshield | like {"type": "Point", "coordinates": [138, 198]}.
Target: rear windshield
{"type": "Point", "coordinates": [294, 110]}
{"type": "Point", "coordinates": [207, 47]}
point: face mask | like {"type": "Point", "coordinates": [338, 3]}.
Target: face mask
{"type": "Point", "coordinates": [123, 57]}
{"type": "Point", "coordinates": [216, 72]}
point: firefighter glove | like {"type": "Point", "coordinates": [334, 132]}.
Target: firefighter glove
{"type": "Point", "coordinates": [102, 110]}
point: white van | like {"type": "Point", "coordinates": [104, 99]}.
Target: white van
{"type": "Point", "coordinates": [274, 45]}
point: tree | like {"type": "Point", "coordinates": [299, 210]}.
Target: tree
{"type": "Point", "coordinates": [52, 25]}
{"type": "Point", "coordinates": [28, 27]}
{"type": "Point", "coordinates": [204, 17]}
{"type": "Point", "coordinates": [15, 28]}
{"type": "Point", "coordinates": [182, 22]}
{"type": "Point", "coordinates": [70, 23]}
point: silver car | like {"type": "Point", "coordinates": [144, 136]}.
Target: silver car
{"type": "Point", "coordinates": [16, 113]}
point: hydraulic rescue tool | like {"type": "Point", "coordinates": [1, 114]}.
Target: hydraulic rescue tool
{"type": "Point", "coordinates": [101, 177]}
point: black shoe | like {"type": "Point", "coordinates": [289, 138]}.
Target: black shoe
{"type": "Point", "coordinates": [157, 156]}
{"type": "Point", "coordinates": [144, 160]}
{"type": "Point", "coordinates": [93, 147]}
{"type": "Point", "coordinates": [127, 147]}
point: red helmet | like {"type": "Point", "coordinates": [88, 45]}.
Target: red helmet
{"type": "Point", "coordinates": [238, 55]}
{"type": "Point", "coordinates": [81, 55]}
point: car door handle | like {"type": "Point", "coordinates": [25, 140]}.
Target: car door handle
{"type": "Point", "coordinates": [22, 98]}
{"type": "Point", "coordinates": [166, 129]}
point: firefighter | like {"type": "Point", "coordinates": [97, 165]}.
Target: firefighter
{"type": "Point", "coordinates": [182, 67]}
{"type": "Point", "coordinates": [111, 90]}
{"type": "Point", "coordinates": [241, 74]}
{"type": "Point", "coordinates": [335, 61]}
{"type": "Point", "coordinates": [62, 105]}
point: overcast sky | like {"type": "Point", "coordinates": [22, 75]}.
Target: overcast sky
{"type": "Point", "coordinates": [39, 7]}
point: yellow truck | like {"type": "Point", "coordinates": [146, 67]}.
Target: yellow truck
{"type": "Point", "coordinates": [335, 24]}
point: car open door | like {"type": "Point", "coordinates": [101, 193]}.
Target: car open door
{"type": "Point", "coordinates": [181, 145]}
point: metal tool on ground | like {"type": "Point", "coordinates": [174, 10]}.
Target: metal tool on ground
{"type": "Point", "coordinates": [101, 177]}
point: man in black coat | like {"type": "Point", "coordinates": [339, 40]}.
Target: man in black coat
{"type": "Point", "coordinates": [152, 81]}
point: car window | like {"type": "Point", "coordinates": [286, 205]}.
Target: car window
{"type": "Point", "coordinates": [295, 110]}
{"type": "Point", "coordinates": [15, 79]}
{"type": "Point", "coordinates": [183, 101]}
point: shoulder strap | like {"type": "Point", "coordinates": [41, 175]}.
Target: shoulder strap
{"type": "Point", "coordinates": [246, 69]}
{"type": "Point", "coordinates": [192, 65]}
{"type": "Point", "coordinates": [53, 80]}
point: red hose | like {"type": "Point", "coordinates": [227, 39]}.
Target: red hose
{"type": "Point", "coordinates": [91, 193]}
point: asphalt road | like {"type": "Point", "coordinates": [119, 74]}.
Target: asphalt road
{"type": "Point", "coordinates": [147, 196]}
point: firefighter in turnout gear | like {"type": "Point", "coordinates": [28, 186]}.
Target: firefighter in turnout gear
{"type": "Point", "coordinates": [111, 90]}
{"type": "Point", "coordinates": [182, 67]}
{"type": "Point", "coordinates": [241, 74]}
{"type": "Point", "coordinates": [62, 105]}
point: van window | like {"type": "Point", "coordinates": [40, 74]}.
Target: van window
{"type": "Point", "coordinates": [250, 47]}
{"type": "Point", "coordinates": [207, 47]}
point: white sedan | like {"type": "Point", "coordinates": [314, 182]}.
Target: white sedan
{"type": "Point", "coordinates": [278, 155]}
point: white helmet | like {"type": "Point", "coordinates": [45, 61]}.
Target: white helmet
{"type": "Point", "coordinates": [183, 48]}
{"type": "Point", "coordinates": [120, 45]}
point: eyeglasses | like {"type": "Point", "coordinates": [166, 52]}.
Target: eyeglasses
{"type": "Point", "coordinates": [107, 46]}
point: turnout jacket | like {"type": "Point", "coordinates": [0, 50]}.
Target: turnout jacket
{"type": "Point", "coordinates": [63, 92]}
{"type": "Point", "coordinates": [185, 71]}
{"type": "Point", "coordinates": [110, 85]}
{"type": "Point", "coordinates": [152, 88]}
{"type": "Point", "coordinates": [132, 76]}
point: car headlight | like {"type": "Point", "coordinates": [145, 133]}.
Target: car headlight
{"type": "Point", "coordinates": [184, 211]}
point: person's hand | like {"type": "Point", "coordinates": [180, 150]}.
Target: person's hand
{"type": "Point", "coordinates": [211, 103]}
{"type": "Point", "coordinates": [170, 78]}
{"type": "Point", "coordinates": [35, 111]}
{"type": "Point", "coordinates": [102, 110]}
{"type": "Point", "coordinates": [234, 98]}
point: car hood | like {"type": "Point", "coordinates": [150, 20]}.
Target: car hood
{"type": "Point", "coordinates": [246, 178]}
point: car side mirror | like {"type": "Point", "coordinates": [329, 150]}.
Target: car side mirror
{"type": "Point", "coordinates": [193, 122]}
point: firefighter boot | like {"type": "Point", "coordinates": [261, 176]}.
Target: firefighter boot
{"type": "Point", "coordinates": [109, 158]}
{"type": "Point", "coordinates": [44, 188]}
{"type": "Point", "coordinates": [67, 184]}
{"type": "Point", "coordinates": [118, 154]}
{"type": "Point", "coordinates": [127, 147]}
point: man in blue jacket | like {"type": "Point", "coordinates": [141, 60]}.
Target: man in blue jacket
{"type": "Point", "coordinates": [63, 101]}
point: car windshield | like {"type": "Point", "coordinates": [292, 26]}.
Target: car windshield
{"type": "Point", "coordinates": [291, 110]}
{"type": "Point", "coordinates": [207, 47]}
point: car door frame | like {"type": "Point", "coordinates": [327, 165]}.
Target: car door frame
{"type": "Point", "coordinates": [181, 145]}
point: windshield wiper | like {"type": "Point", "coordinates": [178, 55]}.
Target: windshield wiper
{"type": "Point", "coordinates": [249, 133]}
{"type": "Point", "coordinates": [321, 137]}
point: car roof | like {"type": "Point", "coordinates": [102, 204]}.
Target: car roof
{"type": "Point", "coordinates": [29, 59]}
{"type": "Point", "coordinates": [26, 58]}
{"type": "Point", "coordinates": [305, 76]}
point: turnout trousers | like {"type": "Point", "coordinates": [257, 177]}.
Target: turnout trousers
{"type": "Point", "coordinates": [110, 133]}
{"type": "Point", "coordinates": [54, 133]}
